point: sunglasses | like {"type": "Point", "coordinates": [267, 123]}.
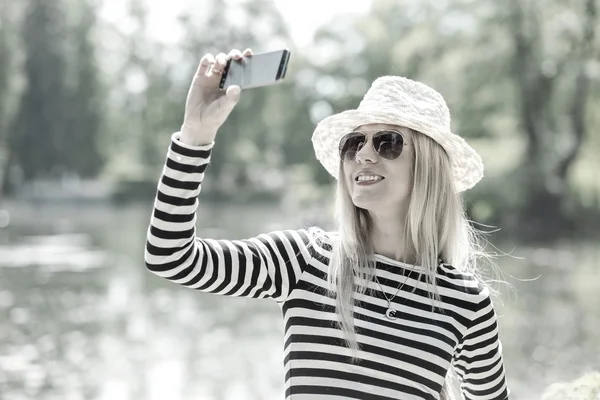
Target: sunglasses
{"type": "Point", "coordinates": [388, 144]}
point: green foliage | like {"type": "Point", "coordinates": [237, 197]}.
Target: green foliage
{"type": "Point", "coordinates": [82, 151]}
{"type": "Point", "coordinates": [101, 99]}
{"type": "Point", "coordinates": [4, 59]}
{"type": "Point", "coordinates": [38, 129]}
{"type": "Point", "coordinates": [55, 127]}
{"type": "Point", "coordinates": [521, 102]}
{"type": "Point", "coordinates": [587, 387]}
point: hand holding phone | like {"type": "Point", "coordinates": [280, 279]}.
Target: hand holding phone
{"type": "Point", "coordinates": [261, 69]}
{"type": "Point", "coordinates": [207, 105]}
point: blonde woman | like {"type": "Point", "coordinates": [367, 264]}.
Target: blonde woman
{"type": "Point", "coordinates": [388, 304]}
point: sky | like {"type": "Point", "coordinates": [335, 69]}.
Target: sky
{"type": "Point", "coordinates": [303, 19]}
{"type": "Point", "coordinates": [302, 16]}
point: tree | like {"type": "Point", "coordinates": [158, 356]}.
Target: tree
{"type": "Point", "coordinates": [82, 152]}
{"type": "Point", "coordinates": [38, 129]}
{"type": "Point", "coordinates": [553, 86]}
{"type": "Point", "coordinates": [514, 77]}
{"type": "Point", "coordinates": [251, 143]}
{"type": "Point", "coordinates": [5, 70]}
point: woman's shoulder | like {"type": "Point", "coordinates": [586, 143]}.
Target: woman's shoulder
{"type": "Point", "coordinates": [318, 241]}
{"type": "Point", "coordinates": [319, 236]}
{"type": "Point", "coordinates": [462, 280]}
{"type": "Point", "coordinates": [310, 235]}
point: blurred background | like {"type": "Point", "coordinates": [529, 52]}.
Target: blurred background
{"type": "Point", "coordinates": [91, 90]}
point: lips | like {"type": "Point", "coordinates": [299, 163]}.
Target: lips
{"type": "Point", "coordinates": [367, 183]}
{"type": "Point", "coordinates": [369, 174]}
{"type": "Point", "coordinates": [369, 179]}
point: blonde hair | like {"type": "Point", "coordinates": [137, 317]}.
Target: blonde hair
{"type": "Point", "coordinates": [436, 227]}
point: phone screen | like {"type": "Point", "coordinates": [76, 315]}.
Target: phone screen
{"type": "Point", "coordinates": [257, 70]}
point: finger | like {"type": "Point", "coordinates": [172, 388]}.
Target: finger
{"type": "Point", "coordinates": [234, 54]}
{"type": "Point", "coordinates": [205, 64]}
{"type": "Point", "coordinates": [248, 52]}
{"type": "Point", "coordinates": [220, 62]}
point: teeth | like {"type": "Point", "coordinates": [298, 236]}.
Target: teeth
{"type": "Point", "coordinates": [363, 178]}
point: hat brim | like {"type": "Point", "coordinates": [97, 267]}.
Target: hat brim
{"type": "Point", "coordinates": [467, 166]}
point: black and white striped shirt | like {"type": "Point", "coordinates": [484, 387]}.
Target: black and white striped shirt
{"type": "Point", "coordinates": [406, 358]}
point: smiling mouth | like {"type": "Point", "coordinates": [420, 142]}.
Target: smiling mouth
{"type": "Point", "coordinates": [365, 182]}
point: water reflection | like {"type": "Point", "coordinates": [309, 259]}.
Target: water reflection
{"type": "Point", "coordinates": [59, 252]}
{"type": "Point", "coordinates": [80, 318]}
{"type": "Point", "coordinates": [550, 328]}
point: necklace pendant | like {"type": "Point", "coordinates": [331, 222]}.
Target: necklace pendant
{"type": "Point", "coordinates": [390, 314]}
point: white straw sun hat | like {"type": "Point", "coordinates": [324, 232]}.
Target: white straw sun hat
{"type": "Point", "coordinates": [400, 101]}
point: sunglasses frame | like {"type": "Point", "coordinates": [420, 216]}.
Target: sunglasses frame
{"type": "Point", "coordinates": [343, 156]}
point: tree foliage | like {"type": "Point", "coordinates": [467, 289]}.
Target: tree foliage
{"type": "Point", "coordinates": [101, 99]}
{"type": "Point", "coordinates": [55, 127]}
{"type": "Point", "coordinates": [518, 79]}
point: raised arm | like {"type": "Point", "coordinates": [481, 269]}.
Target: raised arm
{"type": "Point", "coordinates": [478, 358]}
{"type": "Point", "coordinates": [268, 265]}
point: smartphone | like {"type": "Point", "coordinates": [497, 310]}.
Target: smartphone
{"type": "Point", "coordinates": [261, 69]}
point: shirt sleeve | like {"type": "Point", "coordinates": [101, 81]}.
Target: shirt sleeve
{"type": "Point", "coordinates": [265, 266]}
{"type": "Point", "coordinates": [478, 358]}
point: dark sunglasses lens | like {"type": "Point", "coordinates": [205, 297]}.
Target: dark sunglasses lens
{"type": "Point", "coordinates": [350, 145]}
{"type": "Point", "coordinates": [388, 144]}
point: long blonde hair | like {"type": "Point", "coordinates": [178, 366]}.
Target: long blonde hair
{"type": "Point", "coordinates": [436, 227]}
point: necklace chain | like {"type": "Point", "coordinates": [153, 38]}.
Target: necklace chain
{"type": "Point", "coordinates": [440, 261]}
{"type": "Point", "coordinates": [395, 294]}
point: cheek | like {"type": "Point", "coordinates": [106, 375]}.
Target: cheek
{"type": "Point", "coordinates": [347, 179]}
{"type": "Point", "coordinates": [403, 174]}
{"type": "Point", "coordinates": [349, 185]}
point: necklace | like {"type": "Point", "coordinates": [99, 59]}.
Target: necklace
{"type": "Point", "coordinates": [390, 312]}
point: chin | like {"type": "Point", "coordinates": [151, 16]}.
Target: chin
{"type": "Point", "coordinates": [367, 204]}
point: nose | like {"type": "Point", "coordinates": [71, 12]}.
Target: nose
{"type": "Point", "coordinates": [367, 153]}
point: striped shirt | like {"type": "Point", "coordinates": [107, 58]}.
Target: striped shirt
{"type": "Point", "coordinates": [406, 358]}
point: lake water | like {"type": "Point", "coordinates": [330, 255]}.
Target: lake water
{"type": "Point", "coordinates": [81, 317]}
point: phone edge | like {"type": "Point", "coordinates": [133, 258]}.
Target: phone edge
{"type": "Point", "coordinates": [283, 64]}
{"type": "Point", "coordinates": [286, 54]}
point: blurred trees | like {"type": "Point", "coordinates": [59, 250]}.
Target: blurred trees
{"type": "Point", "coordinates": [55, 126]}
{"type": "Point", "coordinates": [81, 151]}
{"type": "Point", "coordinates": [555, 48]}
{"type": "Point", "coordinates": [44, 103]}
{"type": "Point", "coordinates": [517, 77]}
{"type": "Point", "coordinates": [256, 141]}
{"type": "Point", "coordinates": [143, 102]}
{"type": "Point", "coordinates": [5, 69]}
{"type": "Point", "coordinates": [157, 77]}
{"type": "Point", "coordinates": [101, 98]}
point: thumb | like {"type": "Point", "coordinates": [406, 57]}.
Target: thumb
{"type": "Point", "coordinates": [226, 103]}
{"type": "Point", "coordinates": [233, 93]}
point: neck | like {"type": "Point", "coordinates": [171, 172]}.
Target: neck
{"type": "Point", "coordinates": [388, 235]}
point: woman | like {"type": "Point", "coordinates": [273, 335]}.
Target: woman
{"type": "Point", "coordinates": [383, 307]}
